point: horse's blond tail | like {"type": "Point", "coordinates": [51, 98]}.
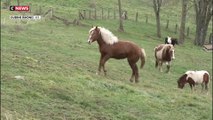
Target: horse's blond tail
{"type": "Point", "coordinates": [143, 57]}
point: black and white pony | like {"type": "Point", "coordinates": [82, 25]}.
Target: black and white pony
{"type": "Point", "coordinates": [170, 40]}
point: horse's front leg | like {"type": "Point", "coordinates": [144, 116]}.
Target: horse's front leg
{"type": "Point", "coordinates": [192, 89]}
{"type": "Point", "coordinates": [206, 88]}
{"type": "Point", "coordinates": [105, 71]}
{"type": "Point", "coordinates": [168, 67]}
{"type": "Point", "coordinates": [99, 67]}
{"type": "Point", "coordinates": [102, 62]}
{"type": "Point", "coordinates": [160, 66]}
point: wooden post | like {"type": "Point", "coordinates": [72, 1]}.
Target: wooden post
{"type": "Point", "coordinates": [40, 10]}
{"type": "Point", "coordinates": [108, 13]}
{"type": "Point", "coordinates": [95, 14]}
{"type": "Point", "coordinates": [167, 24]}
{"type": "Point", "coordinates": [187, 31]}
{"type": "Point", "coordinates": [79, 14]}
{"type": "Point", "coordinates": [30, 7]}
{"type": "Point", "coordinates": [89, 14]}
{"type": "Point", "coordinates": [51, 12]}
{"type": "Point", "coordinates": [136, 17]}
{"type": "Point", "coordinates": [176, 27]}
{"type": "Point", "coordinates": [102, 13]}
{"type": "Point", "coordinates": [84, 14]}
{"type": "Point", "coordinates": [18, 2]}
{"type": "Point", "coordinates": [114, 14]}
{"type": "Point", "coordinates": [147, 19]}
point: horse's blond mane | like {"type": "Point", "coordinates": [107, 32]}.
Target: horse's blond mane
{"type": "Point", "coordinates": [107, 36]}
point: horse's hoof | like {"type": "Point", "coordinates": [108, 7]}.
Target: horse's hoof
{"type": "Point", "coordinates": [131, 80]}
{"type": "Point", "coordinates": [136, 81]}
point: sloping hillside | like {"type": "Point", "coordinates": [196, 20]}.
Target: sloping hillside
{"type": "Point", "coordinates": [58, 69]}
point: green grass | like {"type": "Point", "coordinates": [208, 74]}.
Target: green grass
{"type": "Point", "coordinates": [60, 82]}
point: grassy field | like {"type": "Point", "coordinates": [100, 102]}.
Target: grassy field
{"type": "Point", "coordinates": [59, 70]}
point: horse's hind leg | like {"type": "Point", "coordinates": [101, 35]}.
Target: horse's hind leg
{"type": "Point", "coordinates": [136, 73]}
{"type": "Point", "coordinates": [133, 70]}
{"type": "Point", "coordinates": [103, 63]}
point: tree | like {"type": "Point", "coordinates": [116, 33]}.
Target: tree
{"type": "Point", "coordinates": [121, 28]}
{"type": "Point", "coordinates": [183, 21]}
{"type": "Point", "coordinates": [203, 10]}
{"type": "Point", "coordinates": [157, 5]}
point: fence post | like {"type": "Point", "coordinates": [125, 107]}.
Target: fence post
{"type": "Point", "coordinates": [30, 7]}
{"type": "Point", "coordinates": [136, 17]}
{"type": "Point", "coordinates": [167, 24]}
{"type": "Point", "coordinates": [79, 14]}
{"type": "Point", "coordinates": [89, 14]}
{"type": "Point", "coordinates": [176, 26]}
{"type": "Point", "coordinates": [102, 13]}
{"type": "Point", "coordinates": [114, 14]}
{"type": "Point", "coordinates": [40, 10]}
{"type": "Point", "coordinates": [147, 18]}
{"type": "Point", "coordinates": [95, 14]}
{"type": "Point", "coordinates": [187, 31]}
{"type": "Point", "coordinates": [51, 12]}
{"type": "Point", "coordinates": [84, 14]}
{"type": "Point", "coordinates": [108, 13]}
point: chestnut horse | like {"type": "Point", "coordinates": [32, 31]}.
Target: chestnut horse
{"type": "Point", "coordinates": [194, 77]}
{"type": "Point", "coordinates": [164, 53]}
{"type": "Point", "coordinates": [111, 47]}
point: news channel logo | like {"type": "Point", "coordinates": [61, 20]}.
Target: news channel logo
{"type": "Point", "coordinates": [19, 8]}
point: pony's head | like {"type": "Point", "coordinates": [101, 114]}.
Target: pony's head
{"type": "Point", "coordinates": [175, 41]}
{"type": "Point", "coordinates": [94, 34]}
{"type": "Point", "coordinates": [170, 51]}
{"type": "Point", "coordinates": [182, 81]}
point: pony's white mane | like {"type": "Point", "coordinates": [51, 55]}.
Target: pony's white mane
{"type": "Point", "coordinates": [107, 36]}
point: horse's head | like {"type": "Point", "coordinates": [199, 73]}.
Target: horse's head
{"type": "Point", "coordinates": [94, 34]}
{"type": "Point", "coordinates": [182, 81]}
{"type": "Point", "coordinates": [171, 51]}
{"type": "Point", "coordinates": [176, 42]}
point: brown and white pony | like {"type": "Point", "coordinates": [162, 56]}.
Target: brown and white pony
{"type": "Point", "coordinates": [164, 53]}
{"type": "Point", "coordinates": [194, 77]}
{"type": "Point", "coordinates": [111, 47]}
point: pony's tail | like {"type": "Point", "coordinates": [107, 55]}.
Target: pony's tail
{"type": "Point", "coordinates": [143, 56]}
